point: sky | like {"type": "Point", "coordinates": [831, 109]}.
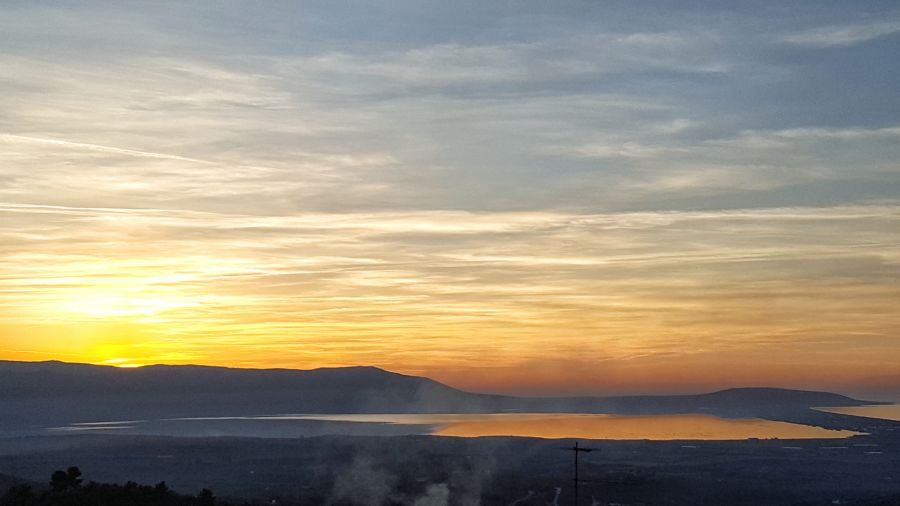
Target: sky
{"type": "Point", "coordinates": [511, 196]}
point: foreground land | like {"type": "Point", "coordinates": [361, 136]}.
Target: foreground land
{"type": "Point", "coordinates": [442, 470]}
{"type": "Point", "coordinates": [318, 467]}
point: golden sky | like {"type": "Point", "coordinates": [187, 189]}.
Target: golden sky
{"type": "Point", "coordinates": [516, 202]}
{"type": "Point", "coordinates": [491, 300]}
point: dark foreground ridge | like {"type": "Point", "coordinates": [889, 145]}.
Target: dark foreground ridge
{"type": "Point", "coordinates": [56, 393]}
{"type": "Point", "coordinates": [446, 471]}
{"type": "Point", "coordinates": [67, 488]}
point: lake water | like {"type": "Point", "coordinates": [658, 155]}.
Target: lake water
{"type": "Point", "coordinates": [542, 425]}
{"type": "Point", "coordinates": [886, 412]}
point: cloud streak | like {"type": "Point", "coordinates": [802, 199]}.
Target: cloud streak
{"type": "Point", "coordinates": [96, 147]}
{"type": "Point", "coordinates": [844, 35]}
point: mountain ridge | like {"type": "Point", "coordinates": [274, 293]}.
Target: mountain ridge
{"type": "Point", "coordinates": [386, 372]}
{"type": "Point", "coordinates": [55, 392]}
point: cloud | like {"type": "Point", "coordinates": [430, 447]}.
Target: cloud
{"type": "Point", "coordinates": [602, 118]}
{"type": "Point", "coordinates": [655, 163]}
{"type": "Point", "coordinates": [96, 147]}
{"type": "Point", "coordinates": [443, 66]}
{"type": "Point", "coordinates": [843, 35]}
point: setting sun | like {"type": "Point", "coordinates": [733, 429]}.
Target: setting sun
{"type": "Point", "coordinates": [121, 362]}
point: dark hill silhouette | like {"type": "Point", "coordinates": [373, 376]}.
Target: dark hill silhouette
{"type": "Point", "coordinates": [38, 394]}
{"type": "Point", "coordinates": [778, 397]}
{"type": "Point", "coordinates": [735, 402]}
{"type": "Point", "coordinates": [58, 392]}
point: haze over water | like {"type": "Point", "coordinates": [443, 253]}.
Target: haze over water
{"type": "Point", "coordinates": [886, 412]}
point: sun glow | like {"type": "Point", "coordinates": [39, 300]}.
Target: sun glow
{"type": "Point", "coordinates": [123, 363]}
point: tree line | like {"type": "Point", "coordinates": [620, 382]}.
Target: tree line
{"type": "Point", "coordinates": [66, 488]}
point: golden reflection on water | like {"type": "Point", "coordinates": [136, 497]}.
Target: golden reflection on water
{"type": "Point", "coordinates": [887, 412]}
{"type": "Point", "coordinates": [664, 427]}
{"type": "Point", "coordinates": [542, 425]}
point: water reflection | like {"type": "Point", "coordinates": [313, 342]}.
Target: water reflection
{"type": "Point", "coordinates": [667, 427]}
{"type": "Point", "coordinates": [542, 425]}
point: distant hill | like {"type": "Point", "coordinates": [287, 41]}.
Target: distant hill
{"type": "Point", "coordinates": [39, 394]}
{"type": "Point", "coordinates": [58, 392]}
{"type": "Point", "coordinates": [735, 401]}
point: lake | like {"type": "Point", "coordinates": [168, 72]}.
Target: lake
{"type": "Point", "coordinates": [542, 425]}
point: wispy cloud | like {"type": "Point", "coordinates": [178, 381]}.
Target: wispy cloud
{"type": "Point", "coordinates": [442, 67]}
{"type": "Point", "coordinates": [843, 35]}
{"type": "Point", "coordinates": [96, 147]}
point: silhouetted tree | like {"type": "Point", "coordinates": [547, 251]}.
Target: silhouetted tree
{"type": "Point", "coordinates": [65, 480]}
{"type": "Point", "coordinates": [74, 475]}
{"type": "Point", "coordinates": [66, 490]}
{"type": "Point", "coordinates": [206, 498]}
